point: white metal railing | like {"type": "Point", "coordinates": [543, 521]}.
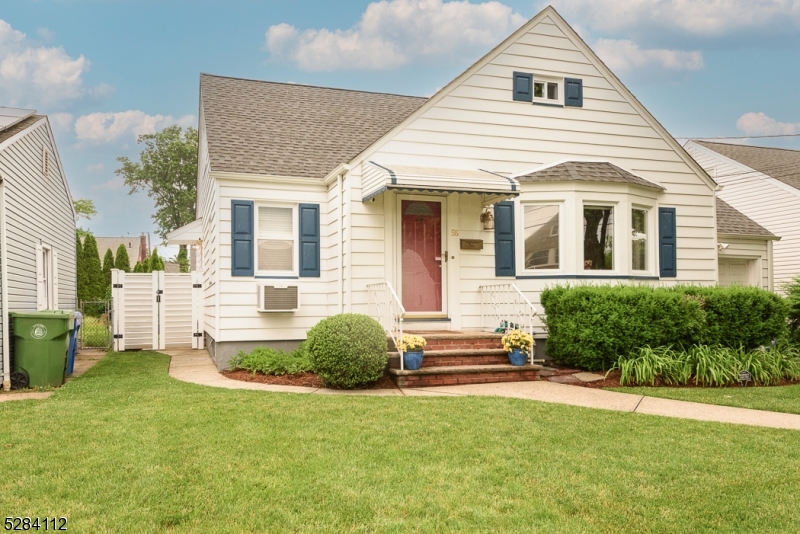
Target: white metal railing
{"type": "Point", "coordinates": [386, 308]}
{"type": "Point", "coordinates": [505, 307]}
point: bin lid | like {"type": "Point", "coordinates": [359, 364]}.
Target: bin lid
{"type": "Point", "coordinates": [50, 314]}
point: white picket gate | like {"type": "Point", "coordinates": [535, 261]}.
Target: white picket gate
{"type": "Point", "coordinates": [156, 311]}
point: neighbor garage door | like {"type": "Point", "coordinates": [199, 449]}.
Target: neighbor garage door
{"type": "Point", "coordinates": [734, 272]}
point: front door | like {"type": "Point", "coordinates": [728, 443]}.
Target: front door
{"type": "Point", "coordinates": [421, 255]}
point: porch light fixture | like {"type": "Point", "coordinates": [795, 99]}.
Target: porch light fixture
{"type": "Point", "coordinates": [487, 219]}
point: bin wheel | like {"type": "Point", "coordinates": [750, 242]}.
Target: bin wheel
{"type": "Point", "coordinates": [19, 380]}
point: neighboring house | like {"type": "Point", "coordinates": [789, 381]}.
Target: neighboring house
{"type": "Point", "coordinates": [745, 249]}
{"type": "Point", "coordinates": [137, 247]}
{"type": "Point", "coordinates": [307, 195]}
{"type": "Point", "coordinates": [764, 184]}
{"type": "Point", "coordinates": [37, 222]}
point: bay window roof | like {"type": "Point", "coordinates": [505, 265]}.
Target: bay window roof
{"type": "Point", "coordinates": [587, 171]}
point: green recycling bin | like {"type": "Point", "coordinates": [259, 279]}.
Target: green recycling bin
{"type": "Point", "coordinates": [41, 343]}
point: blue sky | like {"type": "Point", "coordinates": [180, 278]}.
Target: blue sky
{"type": "Point", "coordinates": [107, 70]}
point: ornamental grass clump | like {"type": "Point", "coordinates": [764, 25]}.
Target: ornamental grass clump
{"type": "Point", "coordinates": [517, 339]}
{"type": "Point", "coordinates": [411, 343]}
{"type": "Point", "coordinates": [348, 350]}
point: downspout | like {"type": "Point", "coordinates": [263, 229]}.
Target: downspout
{"type": "Point", "coordinates": [4, 288]}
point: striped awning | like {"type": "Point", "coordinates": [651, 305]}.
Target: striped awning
{"type": "Point", "coordinates": [378, 178]}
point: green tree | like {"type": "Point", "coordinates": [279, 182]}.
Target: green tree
{"type": "Point", "coordinates": [156, 263]}
{"type": "Point", "coordinates": [122, 261]}
{"type": "Point", "coordinates": [167, 170]}
{"type": "Point", "coordinates": [108, 264]}
{"type": "Point", "coordinates": [80, 267]}
{"type": "Point", "coordinates": [183, 260]}
{"type": "Point", "coordinates": [84, 208]}
{"type": "Point", "coordinates": [138, 268]}
{"type": "Point", "coordinates": [95, 283]}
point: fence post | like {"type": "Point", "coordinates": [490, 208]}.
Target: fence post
{"type": "Point", "coordinates": [197, 311]}
{"type": "Point", "coordinates": [160, 318]}
{"type": "Point", "coordinates": [118, 309]}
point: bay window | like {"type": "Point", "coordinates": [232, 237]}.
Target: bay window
{"type": "Point", "coordinates": [598, 238]}
{"type": "Point", "coordinates": [639, 239]}
{"type": "Point", "coordinates": [541, 236]}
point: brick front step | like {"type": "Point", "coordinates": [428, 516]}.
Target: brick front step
{"type": "Point", "coordinates": [465, 374]}
{"type": "Point", "coordinates": [460, 340]}
{"type": "Point", "coordinates": [447, 358]}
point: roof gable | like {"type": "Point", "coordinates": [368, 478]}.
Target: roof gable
{"type": "Point", "coordinates": [779, 163]}
{"type": "Point", "coordinates": [284, 129]}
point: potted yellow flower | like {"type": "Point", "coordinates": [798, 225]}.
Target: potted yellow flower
{"type": "Point", "coordinates": [518, 345]}
{"type": "Point", "coordinates": [411, 346]}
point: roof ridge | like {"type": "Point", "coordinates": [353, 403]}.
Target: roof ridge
{"type": "Point", "coordinates": [293, 84]}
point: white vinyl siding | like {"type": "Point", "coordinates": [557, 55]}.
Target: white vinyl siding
{"type": "Point", "coordinates": [208, 209]}
{"type": "Point", "coordinates": [772, 204]}
{"type": "Point", "coordinates": [38, 210]}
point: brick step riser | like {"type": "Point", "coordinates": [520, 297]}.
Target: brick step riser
{"type": "Point", "coordinates": [455, 360]}
{"type": "Point", "coordinates": [466, 378]}
{"type": "Point", "coordinates": [463, 344]}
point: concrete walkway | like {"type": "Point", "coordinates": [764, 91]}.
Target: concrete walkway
{"type": "Point", "coordinates": [84, 360]}
{"type": "Point", "coordinates": [195, 366]}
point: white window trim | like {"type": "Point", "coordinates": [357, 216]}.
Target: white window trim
{"type": "Point", "coordinates": [48, 283]}
{"type": "Point", "coordinates": [561, 238]}
{"type": "Point", "coordinates": [651, 234]}
{"type": "Point", "coordinates": [295, 251]}
{"type": "Point", "coordinates": [615, 244]}
{"type": "Point", "coordinates": [548, 79]}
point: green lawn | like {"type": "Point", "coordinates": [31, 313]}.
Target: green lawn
{"type": "Point", "coordinates": [775, 399]}
{"type": "Point", "coordinates": [125, 448]}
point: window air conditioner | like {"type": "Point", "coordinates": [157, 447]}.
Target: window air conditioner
{"type": "Point", "coordinates": [278, 298]}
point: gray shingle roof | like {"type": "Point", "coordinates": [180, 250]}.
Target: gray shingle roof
{"type": "Point", "coordinates": [779, 163]}
{"type": "Point", "coordinates": [588, 171]}
{"type": "Point", "coordinates": [732, 221]}
{"type": "Point", "coordinates": [18, 127]}
{"type": "Point", "coordinates": [293, 130]}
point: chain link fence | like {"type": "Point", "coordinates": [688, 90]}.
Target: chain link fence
{"type": "Point", "coordinates": [95, 332]}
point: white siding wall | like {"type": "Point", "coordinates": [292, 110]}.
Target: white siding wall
{"type": "Point", "coordinates": [38, 209]}
{"type": "Point", "coordinates": [208, 209]}
{"type": "Point", "coordinates": [772, 204]}
{"type": "Point", "coordinates": [239, 319]}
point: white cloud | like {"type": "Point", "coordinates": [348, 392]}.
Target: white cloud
{"type": "Point", "coordinates": [392, 33]}
{"type": "Point", "coordinates": [61, 121]}
{"type": "Point", "coordinates": [624, 55]}
{"type": "Point", "coordinates": [109, 127]}
{"type": "Point", "coordinates": [97, 167]}
{"type": "Point", "coordinates": [696, 17]}
{"type": "Point", "coordinates": [34, 76]}
{"type": "Point", "coordinates": [114, 184]}
{"type": "Point", "coordinates": [762, 124]}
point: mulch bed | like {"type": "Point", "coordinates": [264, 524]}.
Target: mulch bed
{"type": "Point", "coordinates": [309, 380]}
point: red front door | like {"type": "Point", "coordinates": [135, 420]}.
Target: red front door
{"type": "Point", "coordinates": [422, 255]}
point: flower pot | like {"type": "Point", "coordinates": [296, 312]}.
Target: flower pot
{"type": "Point", "coordinates": [412, 360]}
{"type": "Point", "coordinates": [517, 357]}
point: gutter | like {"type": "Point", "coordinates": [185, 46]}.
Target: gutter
{"type": "Point", "coordinates": [4, 288]}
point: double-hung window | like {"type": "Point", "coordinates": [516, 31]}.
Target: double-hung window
{"type": "Point", "coordinates": [277, 240]}
{"type": "Point", "coordinates": [598, 238]}
{"type": "Point", "coordinates": [639, 239]}
{"type": "Point", "coordinates": [541, 236]}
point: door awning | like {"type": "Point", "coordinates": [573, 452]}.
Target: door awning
{"type": "Point", "coordinates": [189, 234]}
{"type": "Point", "coordinates": [378, 178]}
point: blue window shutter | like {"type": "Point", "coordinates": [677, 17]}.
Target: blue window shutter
{"type": "Point", "coordinates": [667, 243]}
{"type": "Point", "coordinates": [523, 86]}
{"type": "Point", "coordinates": [242, 237]}
{"type": "Point", "coordinates": [504, 264]}
{"type": "Point", "coordinates": [309, 239]}
{"type": "Point", "coordinates": [573, 92]}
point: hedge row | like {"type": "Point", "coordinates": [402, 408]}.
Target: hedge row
{"type": "Point", "coordinates": [592, 326]}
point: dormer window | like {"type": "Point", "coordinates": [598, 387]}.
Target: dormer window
{"type": "Point", "coordinates": [546, 90]}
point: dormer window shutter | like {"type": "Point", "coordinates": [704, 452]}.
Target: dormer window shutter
{"type": "Point", "coordinates": [242, 212]}
{"type": "Point", "coordinates": [523, 87]}
{"type": "Point", "coordinates": [667, 243]}
{"type": "Point", "coordinates": [309, 240]}
{"type": "Point", "coordinates": [504, 263]}
{"type": "Point", "coordinates": [573, 92]}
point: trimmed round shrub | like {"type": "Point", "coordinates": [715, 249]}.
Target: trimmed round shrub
{"type": "Point", "coordinates": [348, 350]}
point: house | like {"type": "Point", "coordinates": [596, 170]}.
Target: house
{"type": "Point", "coordinates": [764, 184]}
{"type": "Point", "coordinates": [138, 248]}
{"type": "Point", "coordinates": [535, 166]}
{"type": "Point", "coordinates": [37, 223]}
